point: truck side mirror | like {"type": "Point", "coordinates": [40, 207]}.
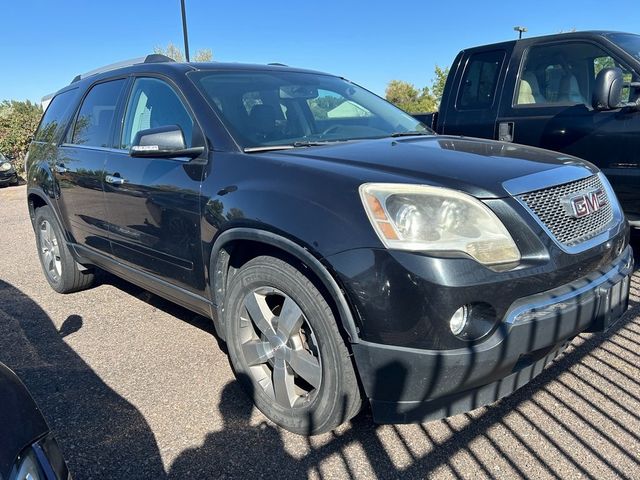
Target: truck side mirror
{"type": "Point", "coordinates": [607, 93]}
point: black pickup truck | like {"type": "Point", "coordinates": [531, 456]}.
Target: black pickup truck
{"type": "Point", "coordinates": [576, 93]}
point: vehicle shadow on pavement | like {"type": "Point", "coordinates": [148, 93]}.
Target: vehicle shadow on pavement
{"type": "Point", "coordinates": [99, 431]}
{"type": "Point", "coordinates": [242, 450]}
{"type": "Point", "coordinates": [167, 306]}
{"type": "Point", "coordinates": [105, 436]}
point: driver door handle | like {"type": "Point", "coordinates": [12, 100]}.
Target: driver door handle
{"type": "Point", "coordinates": [60, 168]}
{"type": "Point", "coordinates": [506, 131]}
{"type": "Point", "coordinates": [114, 179]}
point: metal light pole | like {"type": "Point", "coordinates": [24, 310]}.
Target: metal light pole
{"type": "Point", "coordinates": [184, 32]}
{"type": "Point", "coordinates": [520, 30]}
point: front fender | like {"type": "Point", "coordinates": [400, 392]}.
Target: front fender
{"type": "Point", "coordinates": [219, 261]}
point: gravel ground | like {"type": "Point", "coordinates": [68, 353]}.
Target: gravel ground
{"type": "Point", "coordinates": [136, 387]}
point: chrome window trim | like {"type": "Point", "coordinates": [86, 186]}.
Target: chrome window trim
{"type": "Point", "coordinates": [91, 147]}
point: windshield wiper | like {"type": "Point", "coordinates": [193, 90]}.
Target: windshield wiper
{"type": "Point", "coordinates": [267, 148]}
{"type": "Point", "coordinates": [411, 133]}
{"type": "Point", "coordinates": [309, 143]}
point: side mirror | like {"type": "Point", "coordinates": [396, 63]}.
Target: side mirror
{"type": "Point", "coordinates": [607, 92]}
{"type": "Point", "coordinates": [162, 142]}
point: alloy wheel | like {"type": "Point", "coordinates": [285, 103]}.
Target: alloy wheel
{"type": "Point", "coordinates": [280, 348]}
{"type": "Point", "coordinates": [50, 251]}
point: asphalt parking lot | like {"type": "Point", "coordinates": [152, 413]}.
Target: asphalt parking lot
{"type": "Point", "coordinates": [136, 387]}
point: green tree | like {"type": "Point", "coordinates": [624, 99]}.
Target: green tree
{"type": "Point", "coordinates": [437, 83]}
{"type": "Point", "coordinates": [409, 98]}
{"type": "Point", "coordinates": [18, 123]}
{"type": "Point", "coordinates": [175, 52]}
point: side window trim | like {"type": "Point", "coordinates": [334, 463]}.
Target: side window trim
{"type": "Point", "coordinates": [117, 145]}
{"type": "Point", "coordinates": [67, 137]}
{"type": "Point", "coordinates": [121, 107]}
{"type": "Point", "coordinates": [523, 60]}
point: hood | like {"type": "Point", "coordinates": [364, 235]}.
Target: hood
{"type": "Point", "coordinates": [478, 167]}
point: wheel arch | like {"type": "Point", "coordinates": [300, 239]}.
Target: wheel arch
{"type": "Point", "coordinates": [262, 242]}
{"type": "Point", "coordinates": [36, 198]}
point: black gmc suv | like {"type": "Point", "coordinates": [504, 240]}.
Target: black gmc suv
{"type": "Point", "coordinates": [341, 249]}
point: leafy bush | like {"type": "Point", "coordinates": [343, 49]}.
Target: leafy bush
{"type": "Point", "coordinates": [18, 123]}
{"type": "Point", "coordinates": [411, 99]}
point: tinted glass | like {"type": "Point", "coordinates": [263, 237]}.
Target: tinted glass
{"type": "Point", "coordinates": [95, 119]}
{"type": "Point", "coordinates": [274, 108]}
{"type": "Point", "coordinates": [55, 117]}
{"type": "Point", "coordinates": [153, 104]}
{"type": "Point", "coordinates": [628, 42]}
{"type": "Point", "coordinates": [564, 74]}
{"type": "Point", "coordinates": [480, 80]}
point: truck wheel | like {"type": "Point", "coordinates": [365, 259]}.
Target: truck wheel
{"type": "Point", "coordinates": [286, 349]}
{"type": "Point", "coordinates": [59, 267]}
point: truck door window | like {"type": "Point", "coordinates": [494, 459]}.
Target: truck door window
{"type": "Point", "coordinates": [479, 81]}
{"type": "Point", "coordinates": [562, 74]}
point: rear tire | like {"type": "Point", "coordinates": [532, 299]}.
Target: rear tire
{"type": "Point", "coordinates": [286, 349]}
{"type": "Point", "coordinates": [58, 265]}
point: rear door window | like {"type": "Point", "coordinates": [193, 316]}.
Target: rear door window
{"type": "Point", "coordinates": [56, 117]}
{"type": "Point", "coordinates": [480, 79]}
{"type": "Point", "coordinates": [93, 126]}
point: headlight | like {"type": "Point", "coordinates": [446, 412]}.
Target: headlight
{"type": "Point", "coordinates": [5, 167]}
{"type": "Point", "coordinates": [434, 219]}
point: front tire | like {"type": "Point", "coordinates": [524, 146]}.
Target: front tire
{"type": "Point", "coordinates": [286, 349]}
{"type": "Point", "coordinates": [60, 269]}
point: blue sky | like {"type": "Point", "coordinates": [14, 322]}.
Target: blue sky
{"type": "Point", "coordinates": [370, 42]}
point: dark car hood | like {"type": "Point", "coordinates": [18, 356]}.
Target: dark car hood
{"type": "Point", "coordinates": [478, 167]}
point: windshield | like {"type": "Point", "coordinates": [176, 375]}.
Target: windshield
{"type": "Point", "coordinates": [271, 108]}
{"type": "Point", "coordinates": [628, 42]}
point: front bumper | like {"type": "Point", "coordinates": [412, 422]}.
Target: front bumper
{"type": "Point", "coordinates": [8, 178]}
{"type": "Point", "coordinates": [414, 384]}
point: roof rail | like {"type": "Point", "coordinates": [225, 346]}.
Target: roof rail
{"type": "Point", "coordinates": [152, 58]}
{"type": "Point", "coordinates": [277, 64]}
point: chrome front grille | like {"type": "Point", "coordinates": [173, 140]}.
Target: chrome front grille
{"type": "Point", "coordinates": [547, 205]}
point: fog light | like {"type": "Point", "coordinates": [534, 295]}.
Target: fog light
{"type": "Point", "coordinates": [459, 320]}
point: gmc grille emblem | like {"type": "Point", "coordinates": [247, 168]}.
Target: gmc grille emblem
{"type": "Point", "coordinates": [584, 203]}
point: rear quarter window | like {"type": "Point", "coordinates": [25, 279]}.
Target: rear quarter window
{"type": "Point", "coordinates": [56, 117]}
